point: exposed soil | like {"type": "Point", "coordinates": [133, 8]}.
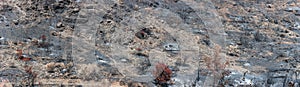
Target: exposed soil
{"type": "Point", "coordinates": [148, 43]}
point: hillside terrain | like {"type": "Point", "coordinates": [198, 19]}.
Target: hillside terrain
{"type": "Point", "coordinates": [150, 43]}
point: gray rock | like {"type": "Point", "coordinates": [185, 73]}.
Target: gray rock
{"type": "Point", "coordinates": [297, 13]}
{"type": "Point", "coordinates": [290, 9]}
{"type": "Point", "coordinates": [277, 85]}
{"type": "Point", "coordinates": [64, 71]}
{"type": "Point", "coordinates": [199, 31]}
{"type": "Point", "coordinates": [296, 25]}
{"type": "Point", "coordinates": [101, 57]}
{"type": "Point", "coordinates": [246, 41]}
{"type": "Point", "coordinates": [243, 79]}
{"type": "Point", "coordinates": [207, 42]}
{"type": "Point", "coordinates": [247, 64]}
{"type": "Point", "coordinates": [59, 25]}
{"type": "Point", "coordinates": [171, 47]}
{"type": "Point", "coordinates": [260, 37]}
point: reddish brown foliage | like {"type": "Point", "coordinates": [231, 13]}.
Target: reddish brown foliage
{"type": "Point", "coordinates": [138, 49]}
{"type": "Point", "coordinates": [21, 57]}
{"type": "Point", "coordinates": [24, 58]}
{"type": "Point", "coordinates": [43, 37]}
{"type": "Point", "coordinates": [162, 73]}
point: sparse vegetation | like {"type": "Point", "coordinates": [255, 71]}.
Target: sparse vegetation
{"type": "Point", "coordinates": [32, 74]}
{"type": "Point", "coordinates": [216, 65]}
{"type": "Point", "coordinates": [162, 75]}
{"type": "Point", "coordinates": [105, 41]}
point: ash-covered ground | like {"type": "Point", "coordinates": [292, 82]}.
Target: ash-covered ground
{"type": "Point", "coordinates": [150, 43]}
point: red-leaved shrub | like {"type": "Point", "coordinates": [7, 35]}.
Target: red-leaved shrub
{"type": "Point", "coordinates": [162, 74]}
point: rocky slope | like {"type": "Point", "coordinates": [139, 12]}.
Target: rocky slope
{"type": "Point", "coordinates": [124, 43]}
